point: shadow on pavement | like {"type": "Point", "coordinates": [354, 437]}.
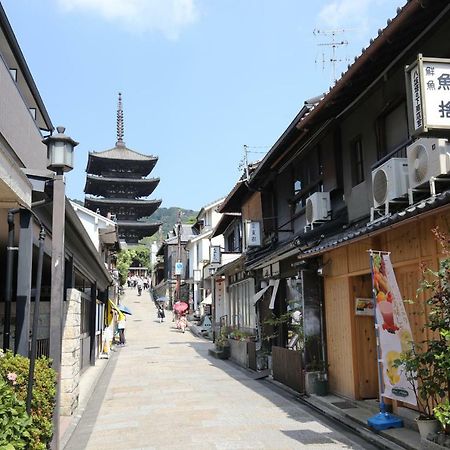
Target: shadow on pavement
{"type": "Point", "coordinates": [79, 440]}
{"type": "Point", "coordinates": [283, 400]}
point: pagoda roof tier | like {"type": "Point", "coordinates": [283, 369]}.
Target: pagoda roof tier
{"type": "Point", "coordinates": [121, 206]}
{"type": "Point", "coordinates": [120, 161]}
{"type": "Point", "coordinates": [113, 187]}
{"type": "Point", "coordinates": [132, 232]}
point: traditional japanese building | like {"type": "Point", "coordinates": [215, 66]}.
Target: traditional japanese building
{"type": "Point", "coordinates": [118, 187]}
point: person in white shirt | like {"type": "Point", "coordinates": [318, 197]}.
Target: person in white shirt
{"type": "Point", "coordinates": [121, 327]}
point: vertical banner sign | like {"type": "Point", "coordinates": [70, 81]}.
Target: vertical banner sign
{"type": "Point", "coordinates": [394, 331]}
{"type": "Point", "coordinates": [428, 91]}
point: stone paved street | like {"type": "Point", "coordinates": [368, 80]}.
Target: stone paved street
{"type": "Point", "coordinates": [162, 391]}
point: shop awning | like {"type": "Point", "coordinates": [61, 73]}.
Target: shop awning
{"type": "Point", "coordinates": [276, 283]}
{"type": "Point", "coordinates": [207, 300]}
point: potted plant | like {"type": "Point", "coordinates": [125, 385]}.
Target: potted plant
{"type": "Point", "coordinates": [222, 344]}
{"type": "Point", "coordinates": [426, 384]}
{"type": "Point", "coordinates": [316, 380]}
{"type": "Point", "coordinates": [427, 364]}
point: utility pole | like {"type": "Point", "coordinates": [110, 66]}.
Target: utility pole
{"type": "Point", "coordinates": [247, 176]}
{"type": "Point", "coordinates": [178, 271]}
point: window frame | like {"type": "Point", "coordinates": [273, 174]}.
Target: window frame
{"type": "Point", "coordinates": [357, 160]}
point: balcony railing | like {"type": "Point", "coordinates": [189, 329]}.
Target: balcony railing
{"type": "Point", "coordinates": [398, 152]}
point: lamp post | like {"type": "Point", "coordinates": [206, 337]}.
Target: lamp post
{"type": "Point", "coordinates": [60, 160]}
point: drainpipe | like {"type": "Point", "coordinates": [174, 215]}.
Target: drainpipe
{"type": "Point", "coordinates": [37, 299]}
{"type": "Point", "coordinates": [9, 275]}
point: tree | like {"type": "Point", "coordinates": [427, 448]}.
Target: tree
{"type": "Point", "coordinates": [136, 256]}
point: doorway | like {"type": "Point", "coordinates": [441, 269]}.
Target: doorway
{"type": "Point", "coordinates": [366, 346]}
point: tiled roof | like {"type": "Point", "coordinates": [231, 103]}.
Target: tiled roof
{"type": "Point", "coordinates": [122, 152]}
{"type": "Point", "coordinates": [314, 243]}
{"type": "Point", "coordinates": [360, 230]}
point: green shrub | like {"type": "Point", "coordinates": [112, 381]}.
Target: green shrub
{"type": "Point", "coordinates": [14, 420]}
{"type": "Point", "coordinates": [442, 413]}
{"type": "Point", "coordinates": [44, 390]}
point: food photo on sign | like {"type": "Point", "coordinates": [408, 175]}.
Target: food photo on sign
{"type": "Point", "coordinates": [394, 331]}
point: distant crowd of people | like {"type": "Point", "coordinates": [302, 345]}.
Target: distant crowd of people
{"type": "Point", "coordinates": [138, 282]}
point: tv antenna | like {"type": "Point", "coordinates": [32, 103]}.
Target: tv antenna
{"type": "Point", "coordinates": [335, 44]}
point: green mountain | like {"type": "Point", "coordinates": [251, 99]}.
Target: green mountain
{"type": "Point", "coordinates": [169, 217]}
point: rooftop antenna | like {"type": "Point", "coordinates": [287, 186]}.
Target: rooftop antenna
{"type": "Point", "coordinates": [335, 44]}
{"type": "Point", "coordinates": [120, 127]}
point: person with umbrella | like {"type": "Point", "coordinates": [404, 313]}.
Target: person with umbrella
{"type": "Point", "coordinates": [121, 324]}
{"type": "Point", "coordinates": [180, 308]}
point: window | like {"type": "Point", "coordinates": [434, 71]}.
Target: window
{"type": "Point", "coordinates": [392, 130]}
{"type": "Point", "coordinates": [230, 242]}
{"type": "Point", "coordinates": [307, 177]}
{"type": "Point", "coordinates": [357, 162]}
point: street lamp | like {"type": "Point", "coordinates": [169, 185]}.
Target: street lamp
{"type": "Point", "coordinates": [60, 160]}
{"type": "Point", "coordinates": [60, 151]}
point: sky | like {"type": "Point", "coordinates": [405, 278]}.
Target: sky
{"type": "Point", "coordinates": [199, 78]}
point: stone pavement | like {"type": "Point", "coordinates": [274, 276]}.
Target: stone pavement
{"type": "Point", "coordinates": [163, 391]}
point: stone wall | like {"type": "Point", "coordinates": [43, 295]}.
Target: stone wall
{"type": "Point", "coordinates": [71, 353]}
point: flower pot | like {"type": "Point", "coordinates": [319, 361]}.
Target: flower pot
{"type": "Point", "coordinates": [316, 383]}
{"type": "Point", "coordinates": [427, 426]}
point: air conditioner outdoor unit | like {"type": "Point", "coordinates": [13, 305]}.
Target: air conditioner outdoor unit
{"type": "Point", "coordinates": [427, 158]}
{"type": "Point", "coordinates": [318, 207]}
{"type": "Point", "coordinates": [389, 181]}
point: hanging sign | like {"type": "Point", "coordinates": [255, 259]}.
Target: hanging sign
{"type": "Point", "coordinates": [394, 331]}
{"type": "Point", "coordinates": [428, 91]}
{"type": "Point", "coordinates": [253, 233]}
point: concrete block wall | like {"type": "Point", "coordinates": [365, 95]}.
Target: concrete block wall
{"type": "Point", "coordinates": [71, 353]}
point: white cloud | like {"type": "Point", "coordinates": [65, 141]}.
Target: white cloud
{"type": "Point", "coordinates": [349, 13]}
{"type": "Point", "coordinates": [339, 13]}
{"type": "Point", "coordinates": [168, 17]}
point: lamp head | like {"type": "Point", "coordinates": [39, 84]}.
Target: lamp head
{"type": "Point", "coordinates": [60, 151]}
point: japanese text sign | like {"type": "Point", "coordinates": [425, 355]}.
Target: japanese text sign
{"type": "Point", "coordinates": [428, 90]}
{"type": "Point", "coordinates": [253, 233]}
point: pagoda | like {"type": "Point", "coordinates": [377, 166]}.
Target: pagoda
{"type": "Point", "coordinates": [118, 187]}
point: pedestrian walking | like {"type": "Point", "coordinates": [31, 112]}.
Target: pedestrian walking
{"type": "Point", "coordinates": [121, 327]}
{"type": "Point", "coordinates": [161, 313]}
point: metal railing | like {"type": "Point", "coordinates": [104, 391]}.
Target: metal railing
{"type": "Point", "coordinates": [398, 152]}
{"type": "Point", "coordinates": [42, 347]}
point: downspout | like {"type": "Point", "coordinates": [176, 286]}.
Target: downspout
{"type": "Point", "coordinates": [37, 300]}
{"type": "Point", "coordinates": [9, 276]}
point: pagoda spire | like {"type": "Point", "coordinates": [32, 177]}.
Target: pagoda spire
{"type": "Point", "coordinates": [120, 127]}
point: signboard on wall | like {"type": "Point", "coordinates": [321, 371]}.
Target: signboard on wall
{"type": "Point", "coordinates": [428, 91]}
{"type": "Point", "coordinates": [364, 307]}
{"type": "Point", "coordinates": [253, 233]}
{"type": "Point", "coordinates": [275, 269]}
{"type": "Point", "coordinates": [215, 254]}
{"type": "Point", "coordinates": [267, 272]}
{"type": "Point", "coordinates": [178, 268]}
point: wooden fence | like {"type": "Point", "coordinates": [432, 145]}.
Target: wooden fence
{"type": "Point", "coordinates": [287, 368]}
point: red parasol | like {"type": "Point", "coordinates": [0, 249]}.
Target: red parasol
{"type": "Point", "coordinates": [180, 307]}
